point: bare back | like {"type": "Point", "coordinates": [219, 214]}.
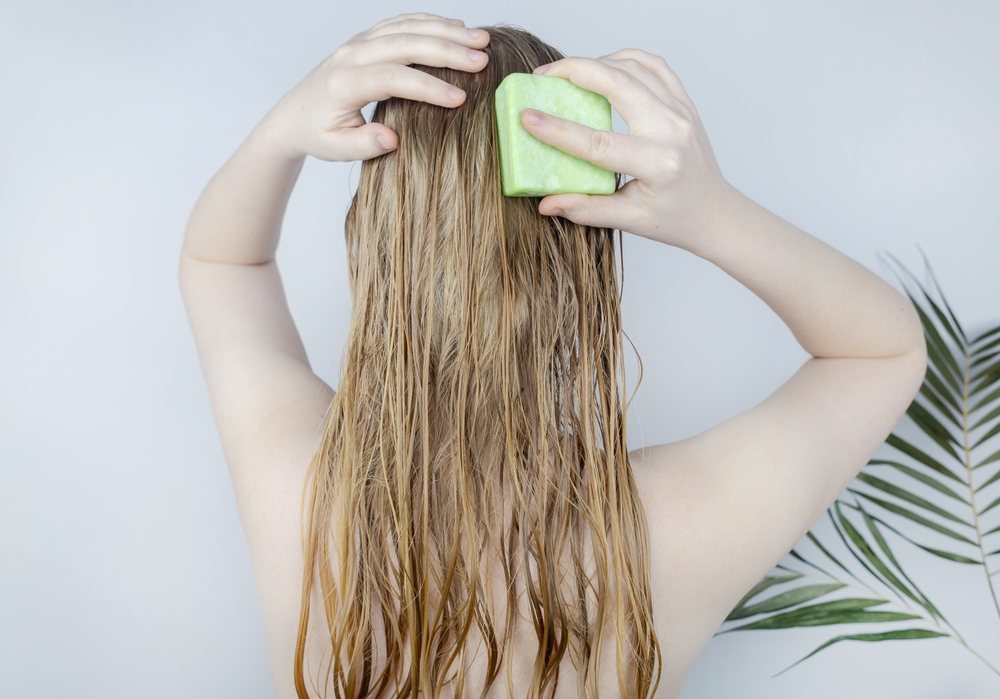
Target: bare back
{"type": "Point", "coordinates": [723, 507]}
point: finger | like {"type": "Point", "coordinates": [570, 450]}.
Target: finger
{"type": "Point", "coordinates": [659, 66]}
{"type": "Point", "coordinates": [633, 100]}
{"type": "Point", "coordinates": [406, 16]}
{"type": "Point", "coordinates": [649, 79]}
{"type": "Point", "coordinates": [380, 81]}
{"type": "Point", "coordinates": [467, 36]}
{"type": "Point", "coordinates": [416, 48]}
{"type": "Point", "coordinates": [598, 210]}
{"type": "Point", "coordinates": [368, 141]}
{"type": "Point", "coordinates": [612, 151]}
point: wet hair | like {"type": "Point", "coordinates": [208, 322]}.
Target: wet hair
{"type": "Point", "coordinates": [478, 426]}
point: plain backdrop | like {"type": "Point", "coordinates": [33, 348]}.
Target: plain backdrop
{"type": "Point", "coordinates": [873, 125]}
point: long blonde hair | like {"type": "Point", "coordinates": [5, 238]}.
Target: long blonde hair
{"type": "Point", "coordinates": [479, 422]}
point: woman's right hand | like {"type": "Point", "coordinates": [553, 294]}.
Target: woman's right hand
{"type": "Point", "coordinates": [678, 193]}
{"type": "Point", "coordinates": [321, 116]}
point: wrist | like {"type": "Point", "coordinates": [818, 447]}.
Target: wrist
{"type": "Point", "coordinates": [274, 138]}
{"type": "Point", "coordinates": [724, 219]}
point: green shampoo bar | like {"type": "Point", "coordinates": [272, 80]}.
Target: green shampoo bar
{"type": "Point", "coordinates": [531, 168]}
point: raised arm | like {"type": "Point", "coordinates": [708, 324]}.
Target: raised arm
{"type": "Point", "coordinates": [259, 379]}
{"type": "Point", "coordinates": [269, 405]}
{"type": "Point", "coordinates": [726, 505]}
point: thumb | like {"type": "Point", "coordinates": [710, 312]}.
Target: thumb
{"type": "Point", "coordinates": [372, 140]}
{"type": "Point", "coordinates": [598, 210]}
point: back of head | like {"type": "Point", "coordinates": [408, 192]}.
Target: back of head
{"type": "Point", "coordinates": [478, 424]}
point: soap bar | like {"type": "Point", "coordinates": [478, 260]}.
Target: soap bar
{"type": "Point", "coordinates": [531, 168]}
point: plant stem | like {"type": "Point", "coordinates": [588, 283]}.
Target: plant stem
{"type": "Point", "coordinates": [968, 648]}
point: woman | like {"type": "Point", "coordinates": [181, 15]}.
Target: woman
{"type": "Point", "coordinates": [462, 516]}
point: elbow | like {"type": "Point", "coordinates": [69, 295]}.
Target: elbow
{"type": "Point", "coordinates": [916, 357]}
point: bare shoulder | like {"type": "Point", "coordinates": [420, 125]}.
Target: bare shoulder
{"type": "Point", "coordinates": [726, 505]}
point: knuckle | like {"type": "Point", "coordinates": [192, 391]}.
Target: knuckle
{"type": "Point", "coordinates": [343, 52]}
{"type": "Point", "coordinates": [684, 128]}
{"type": "Point", "coordinates": [400, 40]}
{"type": "Point", "coordinates": [631, 64]}
{"type": "Point", "coordinates": [621, 77]}
{"type": "Point", "coordinates": [600, 142]}
{"type": "Point", "coordinates": [668, 166]}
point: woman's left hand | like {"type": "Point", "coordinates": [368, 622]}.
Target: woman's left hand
{"type": "Point", "coordinates": [677, 195]}
{"type": "Point", "coordinates": [321, 116]}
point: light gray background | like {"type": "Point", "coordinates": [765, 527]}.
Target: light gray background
{"type": "Point", "coordinates": [123, 568]}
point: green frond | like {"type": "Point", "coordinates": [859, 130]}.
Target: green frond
{"type": "Point", "coordinates": [952, 397]}
{"type": "Point", "coordinates": [909, 497]}
{"type": "Point", "coordinates": [900, 635]}
{"type": "Point", "coordinates": [922, 477]}
{"type": "Point", "coordinates": [887, 577]}
{"type": "Point", "coordinates": [983, 402]}
{"type": "Point", "coordinates": [817, 544]}
{"type": "Point", "coordinates": [938, 353]}
{"type": "Point", "coordinates": [993, 479]}
{"type": "Point", "coordinates": [903, 512]}
{"type": "Point", "coordinates": [948, 555]}
{"type": "Point", "coordinates": [986, 369]}
{"type": "Point", "coordinates": [902, 445]}
{"type": "Point", "coordinates": [985, 379]}
{"type": "Point", "coordinates": [932, 397]}
{"type": "Point", "coordinates": [934, 429]}
{"type": "Point", "coordinates": [991, 333]}
{"type": "Point", "coordinates": [760, 587]}
{"type": "Point", "coordinates": [980, 359]}
{"type": "Point", "coordinates": [923, 600]}
{"type": "Point", "coordinates": [937, 552]}
{"type": "Point", "coordinates": [995, 456]}
{"type": "Point", "coordinates": [994, 431]}
{"type": "Point", "coordinates": [987, 334]}
{"type": "Point", "coordinates": [844, 611]}
{"type": "Point", "coordinates": [940, 291]}
{"type": "Point", "coordinates": [785, 600]}
{"type": "Point", "coordinates": [989, 416]}
{"type": "Point", "coordinates": [989, 507]}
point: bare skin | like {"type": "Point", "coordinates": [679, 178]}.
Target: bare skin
{"type": "Point", "coordinates": [723, 506]}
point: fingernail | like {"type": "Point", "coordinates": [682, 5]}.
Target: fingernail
{"type": "Point", "coordinates": [533, 117]}
{"type": "Point", "coordinates": [542, 69]}
{"type": "Point", "coordinates": [456, 21]}
{"type": "Point", "coordinates": [475, 55]}
{"type": "Point", "coordinates": [380, 140]}
{"type": "Point", "coordinates": [454, 93]}
{"type": "Point", "coordinates": [555, 212]}
{"type": "Point", "coordinates": [474, 33]}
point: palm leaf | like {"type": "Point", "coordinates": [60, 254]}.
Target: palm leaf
{"type": "Point", "coordinates": [921, 456]}
{"type": "Point", "coordinates": [986, 418]}
{"type": "Point", "coordinates": [995, 456]}
{"type": "Point", "coordinates": [903, 512]}
{"type": "Point", "coordinates": [901, 635]}
{"type": "Point", "coordinates": [760, 587]}
{"type": "Point", "coordinates": [906, 495]}
{"type": "Point", "coordinates": [919, 494]}
{"type": "Point", "coordinates": [842, 611]}
{"type": "Point", "coordinates": [785, 600]}
{"type": "Point", "coordinates": [992, 332]}
{"type": "Point", "coordinates": [922, 477]}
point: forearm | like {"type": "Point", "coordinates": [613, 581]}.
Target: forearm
{"type": "Point", "coordinates": [237, 219]}
{"type": "Point", "coordinates": [834, 306]}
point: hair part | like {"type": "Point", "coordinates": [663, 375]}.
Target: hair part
{"type": "Point", "coordinates": [478, 425]}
